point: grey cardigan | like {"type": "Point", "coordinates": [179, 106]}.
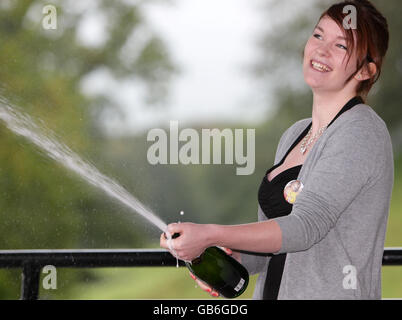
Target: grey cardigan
{"type": "Point", "coordinates": [334, 236]}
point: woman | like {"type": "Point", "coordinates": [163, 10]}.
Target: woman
{"type": "Point", "coordinates": [329, 243]}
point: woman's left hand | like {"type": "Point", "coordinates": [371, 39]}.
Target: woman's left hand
{"type": "Point", "coordinates": [193, 240]}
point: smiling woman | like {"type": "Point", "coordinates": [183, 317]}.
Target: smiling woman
{"type": "Point", "coordinates": [327, 63]}
{"type": "Point", "coordinates": [328, 242]}
{"type": "Point", "coordinates": [367, 45]}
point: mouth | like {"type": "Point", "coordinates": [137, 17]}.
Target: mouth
{"type": "Point", "coordinates": [319, 66]}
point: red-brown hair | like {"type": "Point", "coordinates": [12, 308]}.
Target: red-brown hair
{"type": "Point", "coordinates": [371, 37]}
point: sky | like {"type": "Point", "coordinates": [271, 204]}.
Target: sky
{"type": "Point", "coordinates": [213, 43]}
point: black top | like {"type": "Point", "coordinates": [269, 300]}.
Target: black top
{"type": "Point", "coordinates": [273, 204]}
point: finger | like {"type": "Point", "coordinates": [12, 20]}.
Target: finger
{"type": "Point", "coordinates": [203, 285]}
{"type": "Point", "coordinates": [207, 288]}
{"type": "Point", "coordinates": [174, 228]}
{"type": "Point", "coordinates": [228, 251]}
{"type": "Point", "coordinates": [214, 293]}
{"type": "Point", "coordinates": [232, 253]}
{"type": "Point", "coordinates": [163, 241]}
{"type": "Point", "coordinates": [200, 283]}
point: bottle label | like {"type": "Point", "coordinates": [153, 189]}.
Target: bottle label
{"type": "Point", "coordinates": [239, 285]}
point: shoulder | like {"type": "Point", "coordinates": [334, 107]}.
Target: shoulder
{"type": "Point", "coordinates": [361, 135]}
{"type": "Point", "coordinates": [361, 121]}
{"type": "Point", "coordinates": [365, 113]}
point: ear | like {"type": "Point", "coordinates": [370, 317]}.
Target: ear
{"type": "Point", "coordinates": [367, 72]}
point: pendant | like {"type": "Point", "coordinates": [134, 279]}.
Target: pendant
{"type": "Point", "coordinates": [303, 150]}
{"type": "Point", "coordinates": [292, 190]}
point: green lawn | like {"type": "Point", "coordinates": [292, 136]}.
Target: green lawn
{"type": "Point", "coordinates": [169, 283]}
{"type": "Point", "coordinates": [138, 283]}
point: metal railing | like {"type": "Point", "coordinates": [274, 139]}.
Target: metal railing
{"type": "Point", "coordinates": [32, 261]}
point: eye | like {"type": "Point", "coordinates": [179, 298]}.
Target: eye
{"type": "Point", "coordinates": [318, 36]}
{"type": "Point", "coordinates": [341, 46]}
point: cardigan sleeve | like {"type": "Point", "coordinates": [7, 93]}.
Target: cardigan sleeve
{"type": "Point", "coordinates": [347, 163]}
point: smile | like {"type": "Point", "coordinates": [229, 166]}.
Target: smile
{"type": "Point", "coordinates": [320, 66]}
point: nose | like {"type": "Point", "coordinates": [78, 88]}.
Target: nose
{"type": "Point", "coordinates": [324, 50]}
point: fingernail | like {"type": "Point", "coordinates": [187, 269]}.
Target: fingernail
{"type": "Point", "coordinates": [214, 294]}
{"type": "Point", "coordinates": [209, 290]}
{"type": "Point", "coordinates": [192, 276]}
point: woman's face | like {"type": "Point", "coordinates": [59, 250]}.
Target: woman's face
{"type": "Point", "coordinates": [325, 66]}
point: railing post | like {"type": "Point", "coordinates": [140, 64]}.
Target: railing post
{"type": "Point", "coordinates": [30, 282]}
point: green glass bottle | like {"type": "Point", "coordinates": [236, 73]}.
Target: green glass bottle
{"type": "Point", "coordinates": [221, 272]}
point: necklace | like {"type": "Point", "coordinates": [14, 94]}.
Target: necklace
{"type": "Point", "coordinates": [306, 141]}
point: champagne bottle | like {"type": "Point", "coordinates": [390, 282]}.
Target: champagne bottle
{"type": "Point", "coordinates": [221, 272]}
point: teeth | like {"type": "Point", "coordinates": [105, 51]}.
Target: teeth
{"type": "Point", "coordinates": [319, 66]}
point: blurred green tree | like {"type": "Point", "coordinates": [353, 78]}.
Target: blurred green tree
{"type": "Point", "coordinates": [42, 70]}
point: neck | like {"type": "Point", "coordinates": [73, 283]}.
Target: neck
{"type": "Point", "coordinates": [326, 107]}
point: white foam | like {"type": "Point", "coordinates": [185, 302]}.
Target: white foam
{"type": "Point", "coordinates": [23, 125]}
{"type": "Point", "coordinates": [171, 249]}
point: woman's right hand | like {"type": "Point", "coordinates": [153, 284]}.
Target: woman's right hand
{"type": "Point", "coordinates": [206, 287]}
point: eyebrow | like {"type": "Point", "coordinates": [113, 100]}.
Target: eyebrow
{"type": "Point", "coordinates": [322, 30]}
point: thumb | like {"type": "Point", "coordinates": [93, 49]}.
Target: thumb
{"type": "Point", "coordinates": [174, 228]}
